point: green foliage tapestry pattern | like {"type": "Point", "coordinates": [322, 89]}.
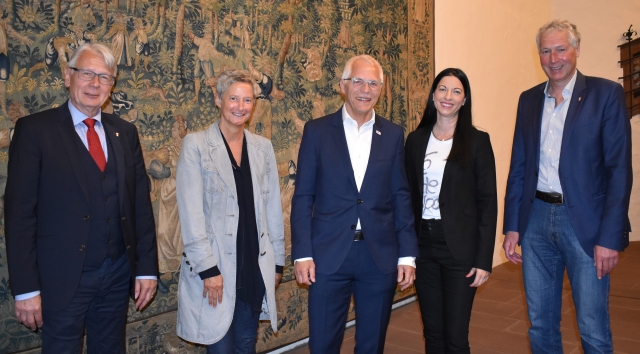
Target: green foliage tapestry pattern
{"type": "Point", "coordinates": [169, 53]}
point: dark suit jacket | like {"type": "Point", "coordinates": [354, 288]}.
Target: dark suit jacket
{"type": "Point", "coordinates": [468, 197]}
{"type": "Point", "coordinates": [47, 206]}
{"type": "Point", "coordinates": [326, 203]}
{"type": "Point", "coordinates": [595, 162]}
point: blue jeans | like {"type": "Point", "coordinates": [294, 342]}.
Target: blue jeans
{"type": "Point", "coordinates": [548, 247]}
{"type": "Point", "coordinates": [241, 336]}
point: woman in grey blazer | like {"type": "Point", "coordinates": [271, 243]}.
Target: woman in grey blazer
{"type": "Point", "coordinates": [231, 216]}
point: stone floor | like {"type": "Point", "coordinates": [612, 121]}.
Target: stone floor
{"type": "Point", "coordinates": [499, 320]}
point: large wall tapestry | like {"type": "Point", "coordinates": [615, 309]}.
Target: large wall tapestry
{"type": "Point", "coordinates": [169, 53]}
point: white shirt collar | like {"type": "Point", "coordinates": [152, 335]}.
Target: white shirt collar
{"type": "Point", "coordinates": [346, 117]}
{"type": "Point", "coordinates": [568, 90]}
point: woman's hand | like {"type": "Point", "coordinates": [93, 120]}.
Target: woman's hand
{"type": "Point", "coordinates": [278, 279]}
{"type": "Point", "coordinates": [481, 277]}
{"type": "Point", "coordinates": [213, 288]}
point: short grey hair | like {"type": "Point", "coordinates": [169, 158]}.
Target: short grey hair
{"type": "Point", "coordinates": [560, 25]}
{"type": "Point", "coordinates": [230, 76]}
{"type": "Point", "coordinates": [96, 48]}
{"type": "Point", "coordinates": [348, 67]}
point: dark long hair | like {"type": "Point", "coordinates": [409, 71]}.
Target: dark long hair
{"type": "Point", "coordinates": [461, 147]}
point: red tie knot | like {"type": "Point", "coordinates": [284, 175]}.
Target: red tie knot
{"type": "Point", "coordinates": [89, 122]}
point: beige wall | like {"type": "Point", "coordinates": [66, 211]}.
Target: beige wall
{"type": "Point", "coordinates": [493, 41]}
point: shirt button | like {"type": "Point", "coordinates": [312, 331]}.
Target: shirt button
{"type": "Point", "coordinates": [81, 248]}
{"type": "Point", "coordinates": [86, 217]}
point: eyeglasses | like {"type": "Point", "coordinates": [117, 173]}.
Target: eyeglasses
{"type": "Point", "coordinates": [88, 75]}
{"type": "Point", "coordinates": [358, 83]}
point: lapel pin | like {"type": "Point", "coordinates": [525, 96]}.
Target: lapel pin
{"type": "Point", "coordinates": [117, 134]}
{"type": "Point", "coordinates": [378, 132]}
{"type": "Point", "coordinates": [579, 99]}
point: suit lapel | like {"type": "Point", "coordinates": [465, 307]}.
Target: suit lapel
{"type": "Point", "coordinates": [113, 139]}
{"type": "Point", "coordinates": [536, 120]}
{"type": "Point", "coordinates": [421, 150]}
{"type": "Point", "coordinates": [340, 141]}
{"type": "Point", "coordinates": [220, 157]}
{"type": "Point", "coordinates": [376, 148]}
{"type": "Point", "coordinates": [577, 98]}
{"type": "Point", "coordinates": [68, 137]}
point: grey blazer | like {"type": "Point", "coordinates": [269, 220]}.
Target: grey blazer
{"type": "Point", "coordinates": [208, 208]}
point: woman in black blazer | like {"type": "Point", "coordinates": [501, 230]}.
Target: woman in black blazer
{"type": "Point", "coordinates": [452, 178]}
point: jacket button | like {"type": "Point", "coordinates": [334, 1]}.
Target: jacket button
{"type": "Point", "coordinates": [262, 234]}
{"type": "Point", "coordinates": [359, 201]}
{"type": "Point", "coordinates": [263, 253]}
{"type": "Point", "coordinates": [188, 263]}
{"type": "Point", "coordinates": [82, 248]}
{"type": "Point", "coordinates": [86, 217]}
{"type": "Point", "coordinates": [108, 241]}
{"type": "Point", "coordinates": [353, 227]}
{"type": "Point", "coordinates": [123, 218]}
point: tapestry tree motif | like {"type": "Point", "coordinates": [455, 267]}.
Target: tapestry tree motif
{"type": "Point", "coordinates": [169, 53]}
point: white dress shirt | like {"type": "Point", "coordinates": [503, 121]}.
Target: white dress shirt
{"type": "Point", "coordinates": [553, 118]}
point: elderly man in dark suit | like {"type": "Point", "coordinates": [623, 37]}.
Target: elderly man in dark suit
{"type": "Point", "coordinates": [568, 192]}
{"type": "Point", "coordinates": [79, 224]}
{"type": "Point", "coordinates": [351, 218]}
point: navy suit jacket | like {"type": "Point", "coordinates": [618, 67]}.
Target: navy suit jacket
{"type": "Point", "coordinates": [326, 203]}
{"type": "Point", "coordinates": [595, 163]}
{"type": "Point", "coordinates": [47, 205]}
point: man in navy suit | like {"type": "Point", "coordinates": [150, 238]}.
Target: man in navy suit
{"type": "Point", "coordinates": [568, 192]}
{"type": "Point", "coordinates": [79, 224]}
{"type": "Point", "coordinates": [351, 219]}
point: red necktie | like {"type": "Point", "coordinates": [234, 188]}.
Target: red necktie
{"type": "Point", "coordinates": [95, 148]}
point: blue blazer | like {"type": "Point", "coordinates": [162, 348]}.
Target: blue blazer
{"type": "Point", "coordinates": [595, 163]}
{"type": "Point", "coordinates": [326, 203]}
{"type": "Point", "coordinates": [47, 205]}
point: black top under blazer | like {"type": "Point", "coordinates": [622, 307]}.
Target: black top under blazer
{"type": "Point", "coordinates": [468, 197]}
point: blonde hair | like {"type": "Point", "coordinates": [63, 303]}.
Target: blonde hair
{"type": "Point", "coordinates": [230, 76]}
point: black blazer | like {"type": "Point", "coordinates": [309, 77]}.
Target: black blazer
{"type": "Point", "coordinates": [468, 197]}
{"type": "Point", "coordinates": [47, 206]}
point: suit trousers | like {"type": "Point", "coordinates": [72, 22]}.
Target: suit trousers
{"type": "Point", "coordinates": [444, 292]}
{"type": "Point", "coordinates": [99, 305]}
{"type": "Point", "coordinates": [330, 296]}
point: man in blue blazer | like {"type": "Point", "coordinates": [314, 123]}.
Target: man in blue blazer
{"type": "Point", "coordinates": [568, 192]}
{"type": "Point", "coordinates": [79, 224]}
{"type": "Point", "coordinates": [351, 219]}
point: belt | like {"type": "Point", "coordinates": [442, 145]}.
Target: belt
{"type": "Point", "coordinates": [358, 236]}
{"type": "Point", "coordinates": [551, 198]}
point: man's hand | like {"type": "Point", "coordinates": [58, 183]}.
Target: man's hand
{"type": "Point", "coordinates": [604, 259]}
{"type": "Point", "coordinates": [213, 288]}
{"type": "Point", "coordinates": [144, 291]}
{"type": "Point", "coordinates": [406, 276]}
{"type": "Point", "coordinates": [29, 312]}
{"type": "Point", "coordinates": [305, 272]}
{"type": "Point", "coordinates": [481, 277]}
{"type": "Point", "coordinates": [509, 246]}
